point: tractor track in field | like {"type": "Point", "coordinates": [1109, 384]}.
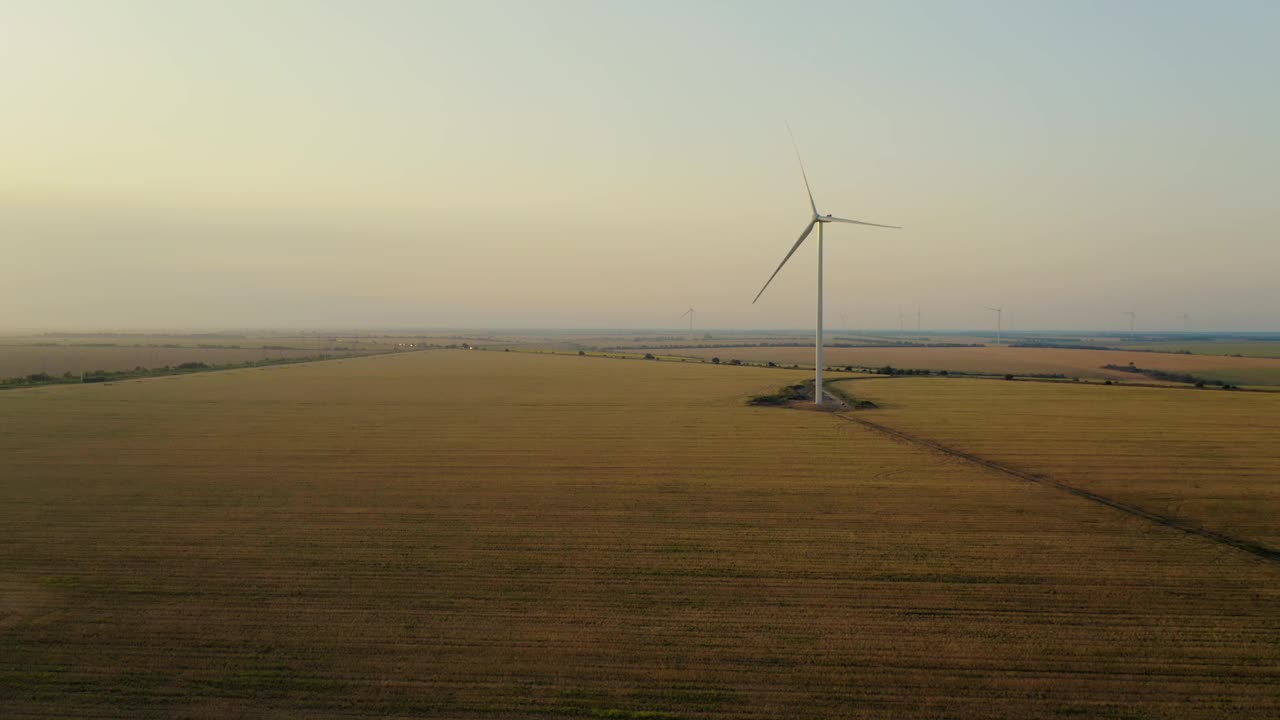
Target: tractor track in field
{"type": "Point", "coordinates": [1262, 551]}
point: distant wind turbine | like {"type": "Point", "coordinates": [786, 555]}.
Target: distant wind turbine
{"type": "Point", "coordinates": [1133, 317]}
{"type": "Point", "coordinates": [818, 220]}
{"type": "Point", "coordinates": [998, 311]}
{"type": "Point", "coordinates": [1186, 322]}
{"type": "Point", "coordinates": [690, 313]}
{"type": "Point", "coordinates": [917, 319]}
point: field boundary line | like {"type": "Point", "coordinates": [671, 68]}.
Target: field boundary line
{"type": "Point", "coordinates": [1262, 551]}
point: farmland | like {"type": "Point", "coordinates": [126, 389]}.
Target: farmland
{"type": "Point", "coordinates": [1200, 456]}
{"type": "Point", "coordinates": [55, 354]}
{"type": "Point", "coordinates": [1016, 360]}
{"type": "Point", "coordinates": [55, 360]}
{"type": "Point", "coordinates": [489, 534]}
{"type": "Point", "coordinates": [1256, 348]}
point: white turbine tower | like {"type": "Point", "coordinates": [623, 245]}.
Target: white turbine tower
{"type": "Point", "coordinates": [819, 220]}
{"type": "Point", "coordinates": [689, 312]}
{"type": "Point", "coordinates": [1186, 322]}
{"type": "Point", "coordinates": [1133, 317]}
{"type": "Point", "coordinates": [999, 313]}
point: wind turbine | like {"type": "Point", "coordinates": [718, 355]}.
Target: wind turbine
{"type": "Point", "coordinates": [1186, 322]}
{"type": "Point", "coordinates": [1132, 319]}
{"type": "Point", "coordinates": [902, 328]}
{"type": "Point", "coordinates": [999, 312]}
{"type": "Point", "coordinates": [689, 312]}
{"type": "Point", "coordinates": [818, 220]}
{"type": "Point", "coordinates": [917, 319]}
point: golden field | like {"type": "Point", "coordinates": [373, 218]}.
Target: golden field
{"type": "Point", "coordinates": [20, 360]}
{"type": "Point", "coordinates": [59, 353]}
{"type": "Point", "coordinates": [1204, 456]}
{"type": "Point", "coordinates": [1252, 348]}
{"type": "Point", "coordinates": [1016, 360]}
{"type": "Point", "coordinates": [508, 535]}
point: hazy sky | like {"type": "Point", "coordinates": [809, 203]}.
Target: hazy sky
{"type": "Point", "coordinates": [601, 164]}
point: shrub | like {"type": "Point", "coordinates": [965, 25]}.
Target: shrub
{"type": "Point", "coordinates": [782, 396]}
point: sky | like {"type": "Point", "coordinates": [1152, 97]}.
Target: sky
{"type": "Point", "coordinates": [222, 165]}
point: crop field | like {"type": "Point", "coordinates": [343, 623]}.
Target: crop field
{"type": "Point", "coordinates": [1018, 361]}
{"type": "Point", "coordinates": [512, 535]}
{"type": "Point", "coordinates": [55, 354]}
{"type": "Point", "coordinates": [623, 341]}
{"type": "Point", "coordinates": [1254, 348]}
{"type": "Point", "coordinates": [1202, 456]}
{"type": "Point", "coordinates": [19, 360]}
{"type": "Point", "coordinates": [301, 341]}
{"type": "Point", "coordinates": [712, 338]}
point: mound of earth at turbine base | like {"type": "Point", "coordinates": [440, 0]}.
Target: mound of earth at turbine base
{"type": "Point", "coordinates": [800, 396]}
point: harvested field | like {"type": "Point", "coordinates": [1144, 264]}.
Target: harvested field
{"type": "Point", "coordinates": [1252, 348]}
{"type": "Point", "coordinates": [1207, 457]}
{"type": "Point", "coordinates": [20, 360]}
{"type": "Point", "coordinates": [1019, 361]}
{"type": "Point", "coordinates": [506, 535]}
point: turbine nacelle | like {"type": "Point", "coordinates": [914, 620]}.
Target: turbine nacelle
{"type": "Point", "coordinates": [833, 219]}
{"type": "Point", "coordinates": [817, 219]}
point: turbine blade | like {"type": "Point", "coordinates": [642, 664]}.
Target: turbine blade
{"type": "Point", "coordinates": [686, 312]}
{"type": "Point", "coordinates": [804, 175]}
{"type": "Point", "coordinates": [859, 222]}
{"type": "Point", "coordinates": [807, 229]}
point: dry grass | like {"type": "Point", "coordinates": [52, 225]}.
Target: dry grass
{"type": "Point", "coordinates": [1018, 361]}
{"type": "Point", "coordinates": [508, 535]}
